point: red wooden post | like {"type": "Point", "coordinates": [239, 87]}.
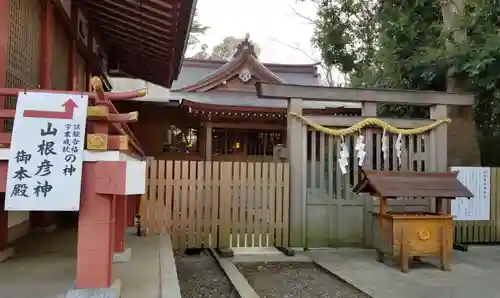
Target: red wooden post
{"type": "Point", "coordinates": [4, 234]}
{"type": "Point", "coordinates": [120, 223]}
{"type": "Point", "coordinates": [45, 219]}
{"type": "Point", "coordinates": [95, 226]}
{"type": "Point", "coordinates": [4, 41]}
{"type": "Point", "coordinates": [4, 44]}
{"type": "Point", "coordinates": [46, 43]}
{"type": "Point", "coordinates": [73, 69]}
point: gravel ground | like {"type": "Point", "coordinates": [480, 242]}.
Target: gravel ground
{"type": "Point", "coordinates": [304, 280]}
{"type": "Point", "coordinates": [200, 276]}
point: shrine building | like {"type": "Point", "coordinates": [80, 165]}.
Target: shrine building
{"type": "Point", "coordinates": [212, 111]}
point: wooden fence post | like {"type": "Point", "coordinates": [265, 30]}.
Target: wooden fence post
{"type": "Point", "coordinates": [368, 109]}
{"type": "Point", "coordinates": [297, 177]}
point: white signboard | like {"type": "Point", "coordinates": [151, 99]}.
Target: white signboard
{"type": "Point", "coordinates": [477, 180]}
{"type": "Point", "coordinates": [46, 154]}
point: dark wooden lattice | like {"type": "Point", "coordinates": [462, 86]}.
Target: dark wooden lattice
{"type": "Point", "coordinates": [60, 60]}
{"type": "Point", "coordinates": [23, 67]}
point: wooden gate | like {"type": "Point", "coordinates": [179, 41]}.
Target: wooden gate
{"type": "Point", "coordinates": [217, 204]}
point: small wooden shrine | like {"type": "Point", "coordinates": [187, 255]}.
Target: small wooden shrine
{"type": "Point", "coordinates": [407, 234]}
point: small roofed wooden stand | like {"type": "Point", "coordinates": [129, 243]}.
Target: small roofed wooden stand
{"type": "Point", "coordinates": [408, 234]}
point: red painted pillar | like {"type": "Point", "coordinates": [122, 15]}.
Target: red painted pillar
{"type": "Point", "coordinates": [4, 221]}
{"type": "Point", "coordinates": [46, 43]}
{"type": "Point", "coordinates": [95, 232]}
{"type": "Point", "coordinates": [73, 69]}
{"type": "Point", "coordinates": [120, 223]}
{"type": "Point", "coordinates": [45, 219]}
{"type": "Point", "coordinates": [4, 43]}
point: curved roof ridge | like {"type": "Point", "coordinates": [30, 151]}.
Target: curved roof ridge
{"type": "Point", "coordinates": [245, 53]}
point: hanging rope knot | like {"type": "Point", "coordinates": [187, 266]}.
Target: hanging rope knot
{"type": "Point", "coordinates": [371, 122]}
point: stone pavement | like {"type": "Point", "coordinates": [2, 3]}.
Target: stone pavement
{"type": "Point", "coordinates": [474, 274]}
{"type": "Point", "coordinates": [45, 266]}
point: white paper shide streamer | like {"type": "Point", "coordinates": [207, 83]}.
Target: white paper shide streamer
{"type": "Point", "coordinates": [360, 149]}
{"type": "Point", "coordinates": [399, 149]}
{"type": "Point", "coordinates": [385, 145]}
{"type": "Point", "coordinates": [344, 155]}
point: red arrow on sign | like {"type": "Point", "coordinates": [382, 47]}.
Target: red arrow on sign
{"type": "Point", "coordinates": [69, 107]}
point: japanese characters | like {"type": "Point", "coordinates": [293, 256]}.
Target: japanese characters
{"type": "Point", "coordinates": [45, 166]}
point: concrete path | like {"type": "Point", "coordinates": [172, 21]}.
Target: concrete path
{"type": "Point", "coordinates": [45, 266]}
{"type": "Point", "coordinates": [474, 274]}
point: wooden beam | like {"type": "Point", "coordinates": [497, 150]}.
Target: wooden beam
{"type": "Point", "coordinates": [101, 17]}
{"type": "Point", "coordinates": [128, 12]}
{"type": "Point", "coordinates": [101, 113]}
{"type": "Point", "coordinates": [249, 125]}
{"type": "Point", "coordinates": [151, 9]}
{"type": "Point", "coordinates": [345, 121]}
{"type": "Point", "coordinates": [134, 41]}
{"type": "Point", "coordinates": [413, 97]}
{"type": "Point", "coordinates": [113, 96]}
{"type": "Point", "coordinates": [102, 142]}
{"type": "Point", "coordinates": [5, 139]}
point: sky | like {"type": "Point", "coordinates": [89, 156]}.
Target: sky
{"type": "Point", "coordinates": [272, 24]}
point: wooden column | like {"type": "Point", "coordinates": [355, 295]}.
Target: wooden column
{"type": "Point", "coordinates": [368, 109]}
{"type": "Point", "coordinates": [4, 219]}
{"type": "Point", "coordinates": [439, 140]}
{"type": "Point", "coordinates": [73, 66]}
{"type": "Point", "coordinates": [4, 44]}
{"type": "Point", "coordinates": [208, 141]}
{"type": "Point", "coordinates": [46, 43]}
{"type": "Point", "coordinates": [297, 224]}
{"type": "Point", "coordinates": [45, 219]}
{"type": "Point", "coordinates": [95, 232]}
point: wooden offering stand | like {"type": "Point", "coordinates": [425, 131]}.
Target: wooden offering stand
{"type": "Point", "coordinates": [409, 234]}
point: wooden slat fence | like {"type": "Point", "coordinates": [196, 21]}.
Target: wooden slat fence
{"type": "Point", "coordinates": [219, 204]}
{"type": "Point", "coordinates": [487, 231]}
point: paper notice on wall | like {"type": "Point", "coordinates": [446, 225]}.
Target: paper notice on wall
{"type": "Point", "coordinates": [477, 180]}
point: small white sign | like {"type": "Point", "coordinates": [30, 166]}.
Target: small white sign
{"type": "Point", "coordinates": [477, 180]}
{"type": "Point", "coordinates": [46, 154]}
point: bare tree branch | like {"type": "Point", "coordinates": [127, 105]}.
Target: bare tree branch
{"type": "Point", "coordinates": [298, 49]}
{"type": "Point", "coordinates": [311, 21]}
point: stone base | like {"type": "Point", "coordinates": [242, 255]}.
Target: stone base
{"type": "Point", "coordinates": [122, 257]}
{"type": "Point", "coordinates": [6, 254]}
{"type": "Point", "coordinates": [225, 252]}
{"type": "Point", "coordinates": [47, 229]}
{"type": "Point", "coordinates": [286, 251]}
{"type": "Point", "coordinates": [112, 292]}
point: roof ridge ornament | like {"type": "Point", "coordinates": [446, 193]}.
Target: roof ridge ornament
{"type": "Point", "coordinates": [245, 46]}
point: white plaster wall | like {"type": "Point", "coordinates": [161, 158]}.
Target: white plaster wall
{"type": "Point", "coordinates": [17, 217]}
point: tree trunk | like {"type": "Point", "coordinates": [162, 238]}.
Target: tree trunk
{"type": "Point", "coordinates": [463, 143]}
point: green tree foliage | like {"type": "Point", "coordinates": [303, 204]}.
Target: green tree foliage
{"type": "Point", "coordinates": [402, 44]}
{"type": "Point", "coordinates": [197, 30]}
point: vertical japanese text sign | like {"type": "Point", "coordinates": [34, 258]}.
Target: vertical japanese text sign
{"type": "Point", "coordinates": [46, 154]}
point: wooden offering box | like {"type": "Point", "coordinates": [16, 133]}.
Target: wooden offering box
{"type": "Point", "coordinates": [405, 234]}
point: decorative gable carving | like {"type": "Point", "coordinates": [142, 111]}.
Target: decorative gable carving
{"type": "Point", "coordinates": [244, 66]}
{"type": "Point", "coordinates": [245, 75]}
